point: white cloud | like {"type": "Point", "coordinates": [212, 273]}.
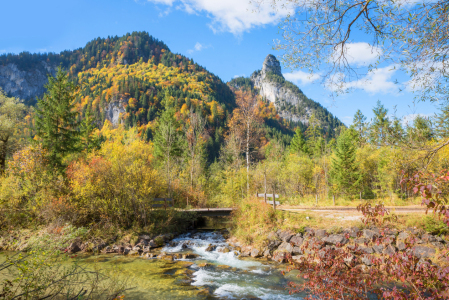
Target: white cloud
{"type": "Point", "coordinates": [42, 50]}
{"type": "Point", "coordinates": [237, 76]}
{"type": "Point", "coordinates": [360, 54]}
{"type": "Point", "coordinates": [2, 51]}
{"type": "Point", "coordinates": [301, 78]}
{"type": "Point", "coordinates": [198, 47]}
{"type": "Point", "coordinates": [377, 81]}
{"type": "Point", "coordinates": [235, 16]}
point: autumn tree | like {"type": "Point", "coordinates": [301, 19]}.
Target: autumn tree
{"type": "Point", "coordinates": [245, 125]}
{"type": "Point", "coordinates": [56, 119]}
{"type": "Point", "coordinates": [11, 115]}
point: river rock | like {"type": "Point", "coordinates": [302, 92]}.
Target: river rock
{"type": "Point", "coordinates": [402, 236]}
{"type": "Point", "coordinates": [297, 240]}
{"type": "Point", "coordinates": [280, 256]}
{"type": "Point", "coordinates": [316, 243]}
{"type": "Point", "coordinates": [149, 255]}
{"type": "Point", "coordinates": [400, 245]}
{"type": "Point", "coordinates": [389, 250]}
{"type": "Point", "coordinates": [224, 250]}
{"type": "Point", "coordinates": [285, 247]}
{"type": "Point", "coordinates": [297, 250]}
{"type": "Point", "coordinates": [133, 252]}
{"type": "Point", "coordinates": [189, 255]}
{"type": "Point", "coordinates": [298, 258]}
{"type": "Point", "coordinates": [428, 238]}
{"type": "Point", "coordinates": [210, 248]}
{"type": "Point", "coordinates": [152, 244]}
{"type": "Point", "coordinates": [351, 231]}
{"type": "Point", "coordinates": [274, 244]}
{"type": "Point", "coordinates": [437, 245]}
{"type": "Point", "coordinates": [74, 247]}
{"type": "Point", "coordinates": [423, 251]}
{"type": "Point", "coordinates": [367, 250]}
{"type": "Point", "coordinates": [255, 253]}
{"type": "Point", "coordinates": [285, 236]}
{"type": "Point", "coordinates": [335, 239]}
{"type": "Point", "coordinates": [320, 233]}
{"type": "Point", "coordinates": [361, 241]}
{"type": "Point", "coordinates": [369, 234]}
{"type": "Point", "coordinates": [378, 248]}
{"type": "Point", "coordinates": [367, 260]}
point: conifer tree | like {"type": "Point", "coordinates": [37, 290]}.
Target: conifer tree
{"type": "Point", "coordinates": [360, 125]}
{"type": "Point", "coordinates": [380, 125]}
{"type": "Point", "coordinates": [87, 141]}
{"type": "Point", "coordinates": [442, 122]}
{"type": "Point", "coordinates": [56, 120]}
{"type": "Point", "coordinates": [345, 172]}
{"type": "Point", "coordinates": [298, 143]}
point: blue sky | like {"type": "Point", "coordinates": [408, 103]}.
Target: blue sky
{"type": "Point", "coordinates": [227, 37]}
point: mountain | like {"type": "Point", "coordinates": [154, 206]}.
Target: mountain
{"type": "Point", "coordinates": [290, 102]}
{"type": "Point", "coordinates": [122, 79]}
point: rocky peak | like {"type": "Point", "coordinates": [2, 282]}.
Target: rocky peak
{"type": "Point", "coordinates": [271, 64]}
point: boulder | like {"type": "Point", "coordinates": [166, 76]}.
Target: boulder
{"type": "Point", "coordinates": [389, 250]}
{"type": "Point", "coordinates": [297, 240]}
{"type": "Point", "coordinates": [266, 253]}
{"type": "Point", "coordinates": [437, 245]}
{"type": "Point", "coordinates": [285, 236]}
{"type": "Point", "coordinates": [274, 244]}
{"type": "Point", "coordinates": [369, 234]}
{"type": "Point", "coordinates": [224, 250]}
{"type": "Point", "coordinates": [378, 248]}
{"type": "Point", "coordinates": [428, 238]}
{"type": "Point", "coordinates": [149, 255]}
{"type": "Point", "coordinates": [320, 233]}
{"type": "Point", "coordinates": [298, 257]}
{"type": "Point", "coordinates": [361, 241]}
{"type": "Point", "coordinates": [133, 252]}
{"type": "Point", "coordinates": [297, 250]}
{"type": "Point", "coordinates": [152, 244]}
{"type": "Point", "coordinates": [400, 245]}
{"type": "Point", "coordinates": [423, 251]}
{"type": "Point", "coordinates": [316, 243]}
{"type": "Point", "coordinates": [255, 253]}
{"type": "Point", "coordinates": [74, 247]}
{"type": "Point", "coordinates": [144, 237]}
{"type": "Point", "coordinates": [280, 256]}
{"type": "Point", "coordinates": [403, 236]}
{"type": "Point", "coordinates": [210, 248]}
{"type": "Point", "coordinates": [351, 231]}
{"type": "Point", "coordinates": [189, 256]}
{"type": "Point", "coordinates": [367, 250]}
{"type": "Point", "coordinates": [285, 247]}
{"type": "Point", "coordinates": [335, 239]}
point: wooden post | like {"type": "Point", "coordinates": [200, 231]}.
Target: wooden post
{"type": "Point", "coordinates": [274, 198]}
{"type": "Point", "coordinates": [265, 181]}
{"type": "Point", "coordinates": [333, 198]}
{"type": "Point", "coordinates": [316, 199]}
{"type": "Point", "coordinates": [165, 203]}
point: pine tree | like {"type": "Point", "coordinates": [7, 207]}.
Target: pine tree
{"type": "Point", "coordinates": [442, 122]}
{"type": "Point", "coordinates": [345, 173]}
{"type": "Point", "coordinates": [360, 125]}
{"type": "Point", "coordinates": [87, 141]}
{"type": "Point", "coordinates": [380, 125]}
{"type": "Point", "coordinates": [56, 120]}
{"type": "Point", "coordinates": [298, 143]}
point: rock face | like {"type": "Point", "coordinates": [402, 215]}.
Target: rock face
{"type": "Point", "coordinates": [113, 111]}
{"type": "Point", "coordinates": [277, 92]}
{"type": "Point", "coordinates": [25, 84]}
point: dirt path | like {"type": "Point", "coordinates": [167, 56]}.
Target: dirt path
{"type": "Point", "coordinates": [349, 213]}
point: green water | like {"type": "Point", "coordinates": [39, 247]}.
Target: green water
{"type": "Point", "coordinates": [224, 277]}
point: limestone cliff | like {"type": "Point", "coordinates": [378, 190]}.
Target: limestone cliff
{"type": "Point", "coordinates": [290, 102]}
{"type": "Point", "coordinates": [25, 84]}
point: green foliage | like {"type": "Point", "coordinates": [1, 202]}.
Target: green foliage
{"type": "Point", "coordinates": [298, 143]}
{"type": "Point", "coordinates": [345, 172]}
{"type": "Point", "coordinates": [435, 226]}
{"type": "Point", "coordinates": [11, 115]}
{"type": "Point", "coordinates": [56, 120]}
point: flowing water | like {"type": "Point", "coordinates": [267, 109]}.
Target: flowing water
{"type": "Point", "coordinates": [211, 275]}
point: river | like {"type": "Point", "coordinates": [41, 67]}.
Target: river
{"type": "Point", "coordinates": [211, 275]}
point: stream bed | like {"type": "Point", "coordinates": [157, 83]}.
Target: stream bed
{"type": "Point", "coordinates": [210, 275]}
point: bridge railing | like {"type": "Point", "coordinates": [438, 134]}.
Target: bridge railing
{"type": "Point", "coordinates": [167, 202]}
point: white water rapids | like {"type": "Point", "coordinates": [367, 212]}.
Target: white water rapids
{"type": "Point", "coordinates": [244, 279]}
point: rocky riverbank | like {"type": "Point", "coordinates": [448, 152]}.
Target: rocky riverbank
{"type": "Point", "coordinates": [365, 244]}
